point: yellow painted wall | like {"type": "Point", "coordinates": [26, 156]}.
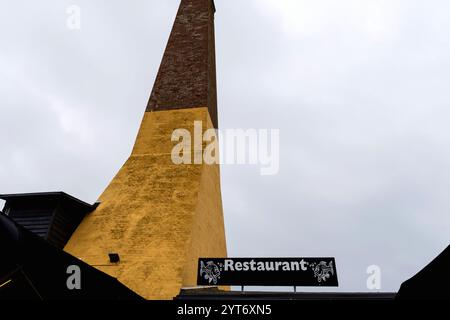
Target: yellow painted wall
{"type": "Point", "coordinates": [160, 217]}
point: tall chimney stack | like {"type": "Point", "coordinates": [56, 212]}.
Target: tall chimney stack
{"type": "Point", "coordinates": [157, 216]}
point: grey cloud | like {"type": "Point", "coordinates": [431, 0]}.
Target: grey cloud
{"type": "Point", "coordinates": [362, 112]}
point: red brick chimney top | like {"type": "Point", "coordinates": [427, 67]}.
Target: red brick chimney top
{"type": "Point", "coordinates": [187, 75]}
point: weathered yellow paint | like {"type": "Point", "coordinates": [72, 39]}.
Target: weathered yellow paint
{"type": "Point", "coordinates": [160, 217]}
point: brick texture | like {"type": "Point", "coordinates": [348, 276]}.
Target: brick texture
{"type": "Point", "coordinates": [187, 75]}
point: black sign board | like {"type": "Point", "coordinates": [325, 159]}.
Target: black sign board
{"type": "Point", "coordinates": [299, 272]}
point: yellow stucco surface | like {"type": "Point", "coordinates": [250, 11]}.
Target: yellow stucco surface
{"type": "Point", "coordinates": [158, 216]}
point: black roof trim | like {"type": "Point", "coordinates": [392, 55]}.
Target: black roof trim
{"type": "Point", "coordinates": [64, 195]}
{"type": "Point", "coordinates": [213, 294]}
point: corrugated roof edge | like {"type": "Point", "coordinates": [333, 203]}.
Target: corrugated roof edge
{"type": "Point", "coordinates": [7, 197]}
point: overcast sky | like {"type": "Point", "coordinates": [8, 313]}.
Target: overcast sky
{"type": "Point", "coordinates": [358, 89]}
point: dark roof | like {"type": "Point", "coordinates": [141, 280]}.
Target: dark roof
{"type": "Point", "coordinates": [218, 295]}
{"type": "Point", "coordinates": [46, 195]}
{"type": "Point", "coordinates": [432, 282]}
{"type": "Point", "coordinates": [53, 216]}
{"type": "Point", "coordinates": [31, 268]}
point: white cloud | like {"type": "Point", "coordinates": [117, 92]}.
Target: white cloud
{"type": "Point", "coordinates": [374, 18]}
